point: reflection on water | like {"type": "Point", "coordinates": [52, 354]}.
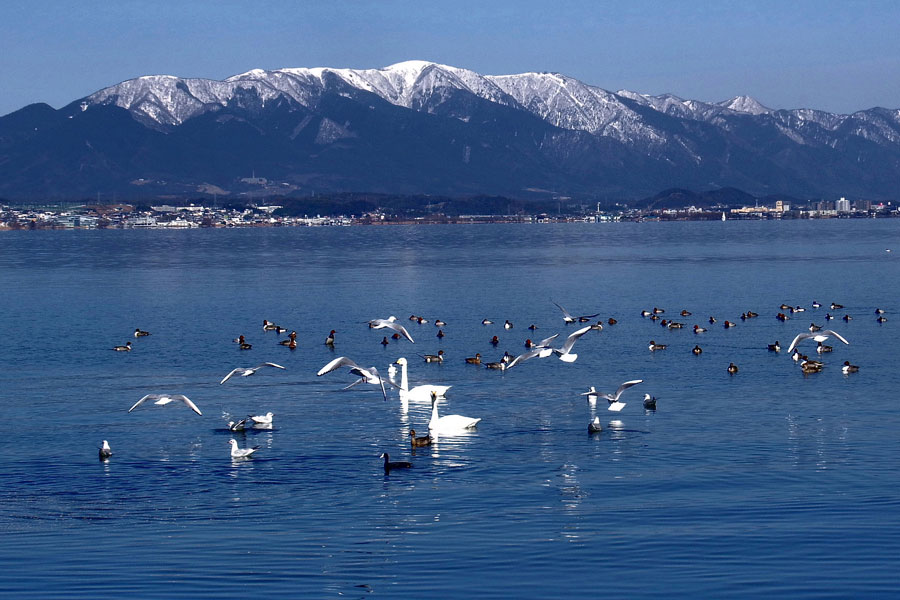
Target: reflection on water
{"type": "Point", "coordinates": [767, 483]}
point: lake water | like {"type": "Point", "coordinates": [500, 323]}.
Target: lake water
{"type": "Point", "coordinates": [765, 483]}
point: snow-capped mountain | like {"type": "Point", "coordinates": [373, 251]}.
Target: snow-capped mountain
{"type": "Point", "coordinates": [438, 128]}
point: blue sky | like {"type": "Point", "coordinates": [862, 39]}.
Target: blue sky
{"type": "Point", "coordinates": [839, 56]}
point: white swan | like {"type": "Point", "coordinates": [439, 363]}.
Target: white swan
{"type": "Point", "coordinates": [420, 393]}
{"type": "Point", "coordinates": [448, 424]}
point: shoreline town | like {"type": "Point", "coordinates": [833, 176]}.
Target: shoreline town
{"type": "Point", "coordinates": [126, 216]}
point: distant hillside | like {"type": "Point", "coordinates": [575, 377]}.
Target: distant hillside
{"type": "Point", "coordinates": [424, 128]}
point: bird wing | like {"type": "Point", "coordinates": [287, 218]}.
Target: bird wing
{"type": "Point", "coordinates": [522, 358]}
{"type": "Point", "coordinates": [147, 397]}
{"type": "Point", "coordinates": [544, 343]}
{"type": "Point", "coordinates": [229, 376]}
{"type": "Point", "coordinates": [268, 364]}
{"type": "Point", "coordinates": [588, 316]}
{"type": "Point", "coordinates": [570, 341]}
{"type": "Point", "coordinates": [401, 330]}
{"type": "Point", "coordinates": [835, 334]}
{"type": "Point", "coordinates": [337, 363]}
{"type": "Point", "coordinates": [565, 313]}
{"type": "Point", "coordinates": [354, 384]}
{"type": "Point", "coordinates": [625, 386]}
{"type": "Point", "coordinates": [800, 337]}
{"type": "Point", "coordinates": [380, 381]}
{"type": "Point", "coordinates": [187, 401]}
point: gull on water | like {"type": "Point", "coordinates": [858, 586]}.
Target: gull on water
{"type": "Point", "coordinates": [163, 399]}
{"type": "Point", "coordinates": [237, 452]}
{"type": "Point", "coordinates": [819, 336]}
{"type": "Point", "coordinates": [366, 375]}
{"type": "Point", "coordinates": [105, 450]}
{"type": "Point", "coordinates": [238, 425]}
{"type": "Point", "coordinates": [391, 323]}
{"type": "Point", "coordinates": [248, 371]}
{"type": "Point", "coordinates": [265, 419]}
{"type": "Point", "coordinates": [595, 426]}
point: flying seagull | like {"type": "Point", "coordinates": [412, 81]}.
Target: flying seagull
{"type": "Point", "coordinates": [248, 371]}
{"type": "Point", "coordinates": [564, 352]}
{"type": "Point", "coordinates": [366, 375]}
{"type": "Point", "coordinates": [163, 399]}
{"type": "Point", "coordinates": [391, 323]}
{"type": "Point", "coordinates": [613, 399]}
{"type": "Point", "coordinates": [819, 336]}
{"type": "Point", "coordinates": [568, 318]}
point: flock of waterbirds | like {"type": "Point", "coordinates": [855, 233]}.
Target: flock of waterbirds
{"type": "Point", "coordinates": [450, 425]}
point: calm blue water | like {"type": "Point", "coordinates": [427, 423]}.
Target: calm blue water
{"type": "Point", "coordinates": [767, 483]}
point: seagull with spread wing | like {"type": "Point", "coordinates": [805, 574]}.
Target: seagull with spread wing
{"type": "Point", "coordinates": [819, 336]}
{"type": "Point", "coordinates": [391, 323]}
{"type": "Point", "coordinates": [163, 399]}
{"type": "Point", "coordinates": [248, 371]}
{"type": "Point", "coordinates": [365, 374]}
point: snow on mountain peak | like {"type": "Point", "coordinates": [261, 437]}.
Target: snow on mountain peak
{"type": "Point", "coordinates": [745, 104]}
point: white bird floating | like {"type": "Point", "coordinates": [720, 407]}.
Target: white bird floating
{"type": "Point", "coordinates": [248, 371]}
{"type": "Point", "coordinates": [105, 450]}
{"type": "Point", "coordinates": [819, 336]}
{"type": "Point", "coordinates": [595, 426]}
{"type": "Point", "coordinates": [163, 399]}
{"type": "Point", "coordinates": [448, 424]}
{"type": "Point", "coordinates": [420, 393]}
{"type": "Point", "coordinates": [265, 419]}
{"type": "Point", "coordinates": [237, 426]}
{"type": "Point", "coordinates": [366, 375]}
{"type": "Point", "coordinates": [237, 452]}
{"type": "Point", "coordinates": [391, 323]}
{"type": "Point", "coordinates": [565, 351]}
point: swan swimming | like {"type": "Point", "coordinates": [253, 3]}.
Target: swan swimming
{"type": "Point", "coordinates": [420, 393]}
{"type": "Point", "coordinates": [448, 424]}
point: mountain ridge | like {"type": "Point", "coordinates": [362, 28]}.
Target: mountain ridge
{"type": "Point", "coordinates": [424, 127]}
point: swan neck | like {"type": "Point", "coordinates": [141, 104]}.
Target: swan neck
{"type": "Point", "coordinates": [404, 380]}
{"type": "Point", "coordinates": [434, 414]}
